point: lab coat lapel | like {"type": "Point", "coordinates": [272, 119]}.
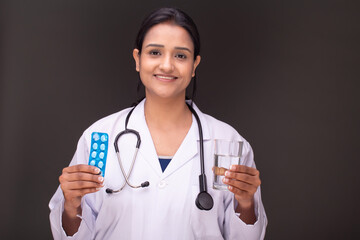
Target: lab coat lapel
{"type": "Point", "coordinates": [147, 149]}
{"type": "Point", "coordinates": [187, 150]}
{"type": "Point", "coordinates": [190, 146]}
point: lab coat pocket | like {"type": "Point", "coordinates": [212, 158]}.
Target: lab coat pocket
{"type": "Point", "coordinates": [206, 224]}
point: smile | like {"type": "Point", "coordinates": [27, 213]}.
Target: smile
{"type": "Point", "coordinates": [166, 78]}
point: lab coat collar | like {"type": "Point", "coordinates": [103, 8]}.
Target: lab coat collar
{"type": "Point", "coordinates": [138, 119]}
{"type": "Point", "coordinates": [204, 124]}
{"type": "Point", "coordinates": [187, 150]}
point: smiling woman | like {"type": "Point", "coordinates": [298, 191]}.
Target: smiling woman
{"type": "Point", "coordinates": [167, 63]}
{"type": "Point", "coordinates": [171, 129]}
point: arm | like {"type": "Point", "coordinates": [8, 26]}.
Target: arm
{"type": "Point", "coordinates": [79, 213]}
{"type": "Point", "coordinates": [243, 181]}
{"type": "Point", "coordinates": [75, 182]}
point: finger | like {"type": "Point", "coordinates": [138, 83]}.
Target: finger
{"type": "Point", "coordinates": [244, 169]}
{"type": "Point", "coordinates": [88, 190]}
{"type": "Point", "coordinates": [81, 176]}
{"type": "Point", "coordinates": [244, 177]}
{"type": "Point", "coordinates": [80, 185]}
{"type": "Point", "coordinates": [240, 194]}
{"type": "Point", "coordinates": [80, 193]}
{"type": "Point", "coordinates": [220, 171]}
{"type": "Point", "coordinates": [240, 185]}
{"type": "Point", "coordinates": [81, 168]}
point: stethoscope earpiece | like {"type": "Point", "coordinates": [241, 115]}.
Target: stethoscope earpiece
{"type": "Point", "coordinates": [204, 201]}
{"type": "Point", "coordinates": [145, 184]}
{"type": "Point", "coordinates": [108, 190]}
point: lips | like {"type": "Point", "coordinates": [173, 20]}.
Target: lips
{"type": "Point", "coordinates": [165, 77]}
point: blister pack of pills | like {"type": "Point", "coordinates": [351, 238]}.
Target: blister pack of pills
{"type": "Point", "coordinates": [98, 150]}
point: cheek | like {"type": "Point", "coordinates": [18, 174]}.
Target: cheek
{"type": "Point", "coordinates": [185, 68]}
{"type": "Point", "coordinates": [146, 65]}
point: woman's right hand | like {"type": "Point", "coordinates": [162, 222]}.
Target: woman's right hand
{"type": "Point", "coordinates": [75, 182]}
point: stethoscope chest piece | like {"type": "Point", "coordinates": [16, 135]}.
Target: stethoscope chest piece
{"type": "Point", "coordinates": [204, 201]}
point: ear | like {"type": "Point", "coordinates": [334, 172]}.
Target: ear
{"type": "Point", "coordinates": [196, 63]}
{"type": "Point", "coordinates": [136, 56]}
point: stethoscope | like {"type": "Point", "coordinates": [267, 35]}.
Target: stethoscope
{"type": "Point", "coordinates": [204, 201]}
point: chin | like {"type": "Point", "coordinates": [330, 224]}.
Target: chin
{"type": "Point", "coordinates": [165, 94]}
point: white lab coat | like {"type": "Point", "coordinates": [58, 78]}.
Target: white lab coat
{"type": "Point", "coordinates": [166, 209]}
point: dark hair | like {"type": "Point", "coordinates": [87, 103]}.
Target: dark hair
{"type": "Point", "coordinates": [172, 15]}
{"type": "Point", "coordinates": [177, 17]}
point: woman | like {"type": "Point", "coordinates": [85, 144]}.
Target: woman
{"type": "Point", "coordinates": [166, 56]}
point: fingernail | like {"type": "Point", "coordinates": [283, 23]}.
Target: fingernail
{"type": "Point", "coordinates": [230, 187]}
{"type": "Point", "coordinates": [233, 167]}
{"type": "Point", "coordinates": [227, 173]}
{"type": "Point", "coordinates": [97, 189]}
{"type": "Point", "coordinates": [96, 170]}
{"type": "Point", "coordinates": [101, 179]}
{"type": "Point", "coordinates": [225, 180]}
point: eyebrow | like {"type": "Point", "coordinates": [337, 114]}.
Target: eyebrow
{"type": "Point", "coordinates": [160, 45]}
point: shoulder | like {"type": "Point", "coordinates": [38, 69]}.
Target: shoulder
{"type": "Point", "coordinates": [216, 129]}
{"type": "Point", "coordinates": [109, 123]}
{"type": "Point", "coordinates": [220, 129]}
{"type": "Point", "coordinates": [113, 123]}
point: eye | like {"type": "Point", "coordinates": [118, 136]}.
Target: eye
{"type": "Point", "coordinates": [181, 56]}
{"type": "Point", "coordinates": [155, 52]}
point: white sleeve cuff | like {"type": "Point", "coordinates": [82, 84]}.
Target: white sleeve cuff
{"type": "Point", "coordinates": [85, 229]}
{"type": "Point", "coordinates": [240, 230]}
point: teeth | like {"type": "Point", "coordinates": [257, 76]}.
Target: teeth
{"type": "Point", "coordinates": [163, 77]}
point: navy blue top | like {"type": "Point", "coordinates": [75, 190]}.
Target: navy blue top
{"type": "Point", "coordinates": [164, 162]}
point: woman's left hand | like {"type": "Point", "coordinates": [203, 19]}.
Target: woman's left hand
{"type": "Point", "coordinates": [243, 181]}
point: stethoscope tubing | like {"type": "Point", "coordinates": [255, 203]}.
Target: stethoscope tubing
{"type": "Point", "coordinates": [204, 200]}
{"type": "Point", "coordinates": [127, 176]}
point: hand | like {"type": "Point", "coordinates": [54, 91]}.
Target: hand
{"type": "Point", "coordinates": [243, 181]}
{"type": "Point", "coordinates": [75, 182]}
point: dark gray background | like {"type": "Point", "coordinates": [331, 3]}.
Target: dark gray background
{"type": "Point", "coordinates": [284, 73]}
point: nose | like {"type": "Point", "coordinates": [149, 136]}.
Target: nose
{"type": "Point", "coordinates": [166, 64]}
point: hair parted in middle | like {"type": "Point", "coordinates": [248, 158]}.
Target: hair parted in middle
{"type": "Point", "coordinates": [177, 17]}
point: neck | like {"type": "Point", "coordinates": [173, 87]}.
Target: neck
{"type": "Point", "coordinates": [166, 112]}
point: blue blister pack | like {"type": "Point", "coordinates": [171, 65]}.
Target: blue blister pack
{"type": "Point", "coordinates": [98, 150]}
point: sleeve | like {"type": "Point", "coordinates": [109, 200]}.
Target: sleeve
{"type": "Point", "coordinates": [56, 204]}
{"type": "Point", "coordinates": [235, 228]}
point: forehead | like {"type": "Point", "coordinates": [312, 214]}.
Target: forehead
{"type": "Point", "coordinates": [168, 34]}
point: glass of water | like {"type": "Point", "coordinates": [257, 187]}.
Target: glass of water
{"type": "Point", "coordinates": [226, 153]}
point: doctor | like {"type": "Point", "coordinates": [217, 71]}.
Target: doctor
{"type": "Point", "coordinates": [166, 56]}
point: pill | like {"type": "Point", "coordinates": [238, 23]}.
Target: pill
{"type": "Point", "coordinates": [103, 138]}
{"type": "Point", "coordinates": [102, 147]}
{"type": "Point", "coordinates": [100, 164]}
{"type": "Point", "coordinates": [96, 137]}
{"type": "Point", "coordinates": [98, 150]}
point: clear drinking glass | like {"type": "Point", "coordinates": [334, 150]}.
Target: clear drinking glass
{"type": "Point", "coordinates": [226, 153]}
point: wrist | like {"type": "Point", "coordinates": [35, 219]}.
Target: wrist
{"type": "Point", "coordinates": [246, 211]}
{"type": "Point", "coordinates": [245, 205]}
{"type": "Point", "coordinates": [71, 211]}
{"type": "Point", "coordinates": [71, 219]}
